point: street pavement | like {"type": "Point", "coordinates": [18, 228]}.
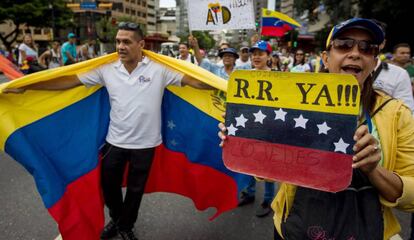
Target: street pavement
{"type": "Point", "coordinates": [162, 215]}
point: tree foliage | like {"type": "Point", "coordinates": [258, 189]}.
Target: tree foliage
{"type": "Point", "coordinates": [34, 13]}
{"type": "Point", "coordinates": [205, 40]}
{"type": "Point", "coordinates": [106, 27]}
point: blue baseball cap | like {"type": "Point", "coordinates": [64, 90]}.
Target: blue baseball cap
{"type": "Point", "coordinates": [71, 35]}
{"type": "Point", "coordinates": [359, 23]}
{"type": "Point", "coordinates": [229, 50]}
{"type": "Point", "coordinates": [262, 46]}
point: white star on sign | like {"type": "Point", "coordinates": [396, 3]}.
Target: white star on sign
{"type": "Point", "coordinates": [259, 116]}
{"type": "Point", "coordinates": [241, 121]}
{"type": "Point", "coordinates": [323, 128]}
{"type": "Point", "coordinates": [341, 146]}
{"type": "Point", "coordinates": [300, 122]}
{"type": "Point", "coordinates": [170, 125]}
{"type": "Point", "coordinates": [280, 114]}
{"type": "Point", "coordinates": [231, 130]}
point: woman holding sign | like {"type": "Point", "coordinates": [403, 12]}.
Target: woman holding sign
{"type": "Point", "coordinates": [260, 52]}
{"type": "Point", "coordinates": [383, 160]}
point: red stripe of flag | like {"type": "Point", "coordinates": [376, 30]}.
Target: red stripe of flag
{"type": "Point", "coordinates": [314, 168]}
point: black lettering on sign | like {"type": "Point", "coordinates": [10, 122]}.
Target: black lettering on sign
{"type": "Point", "coordinates": [324, 93]}
{"type": "Point", "coordinates": [350, 91]}
{"type": "Point", "coordinates": [263, 89]}
{"type": "Point", "coordinates": [242, 85]}
{"type": "Point", "coordinates": [305, 92]}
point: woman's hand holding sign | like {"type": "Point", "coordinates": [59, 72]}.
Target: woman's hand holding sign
{"type": "Point", "coordinates": [367, 153]}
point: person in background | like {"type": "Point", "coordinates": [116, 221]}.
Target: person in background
{"type": "Point", "coordinates": [222, 46]}
{"type": "Point", "coordinates": [185, 54]}
{"type": "Point", "coordinates": [68, 50]}
{"type": "Point", "coordinates": [260, 55]}
{"type": "Point", "coordinates": [276, 65]}
{"type": "Point", "coordinates": [402, 58]}
{"type": "Point", "coordinates": [285, 59]}
{"type": "Point", "coordinates": [383, 161]}
{"type": "Point", "coordinates": [244, 59]}
{"type": "Point", "coordinates": [51, 58]}
{"type": "Point", "coordinates": [228, 55]}
{"type": "Point", "coordinates": [308, 61]}
{"type": "Point", "coordinates": [27, 49]}
{"type": "Point", "coordinates": [299, 64]}
{"type": "Point", "coordinates": [28, 56]}
{"type": "Point", "coordinates": [87, 50]}
{"type": "Point", "coordinates": [392, 79]}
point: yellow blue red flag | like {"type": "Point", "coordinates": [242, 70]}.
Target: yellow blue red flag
{"type": "Point", "coordinates": [276, 24]}
{"type": "Point", "coordinates": [56, 136]}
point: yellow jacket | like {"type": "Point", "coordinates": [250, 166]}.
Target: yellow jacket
{"type": "Point", "coordinates": [395, 125]}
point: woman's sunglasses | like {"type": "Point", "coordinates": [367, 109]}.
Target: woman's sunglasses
{"type": "Point", "coordinates": [364, 47]}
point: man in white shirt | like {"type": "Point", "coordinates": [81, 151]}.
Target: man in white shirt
{"type": "Point", "coordinates": [392, 79]}
{"type": "Point", "coordinates": [244, 59]}
{"type": "Point", "coordinates": [395, 81]}
{"type": "Point", "coordinates": [185, 54]}
{"type": "Point", "coordinates": [135, 85]}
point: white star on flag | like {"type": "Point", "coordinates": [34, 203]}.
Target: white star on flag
{"type": "Point", "coordinates": [231, 130]}
{"type": "Point", "coordinates": [170, 125]}
{"type": "Point", "coordinates": [341, 146]}
{"type": "Point", "coordinates": [323, 128]}
{"type": "Point", "coordinates": [280, 114]}
{"type": "Point", "coordinates": [241, 121]}
{"type": "Point", "coordinates": [300, 122]}
{"type": "Point", "coordinates": [173, 142]}
{"type": "Point", "coordinates": [259, 116]}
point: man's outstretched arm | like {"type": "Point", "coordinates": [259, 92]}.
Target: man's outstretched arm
{"type": "Point", "coordinates": [195, 83]}
{"type": "Point", "coordinates": [61, 83]}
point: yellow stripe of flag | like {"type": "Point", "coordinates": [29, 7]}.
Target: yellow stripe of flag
{"type": "Point", "coordinates": [19, 110]}
{"type": "Point", "coordinates": [270, 13]}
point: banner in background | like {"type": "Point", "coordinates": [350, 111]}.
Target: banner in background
{"type": "Point", "coordinates": [219, 15]}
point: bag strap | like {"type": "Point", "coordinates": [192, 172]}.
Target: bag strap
{"type": "Point", "coordinates": [377, 71]}
{"type": "Point", "coordinates": [377, 110]}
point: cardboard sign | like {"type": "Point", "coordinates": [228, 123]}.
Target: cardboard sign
{"type": "Point", "coordinates": [292, 127]}
{"type": "Point", "coordinates": [219, 15]}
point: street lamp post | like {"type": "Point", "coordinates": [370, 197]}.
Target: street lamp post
{"type": "Point", "coordinates": [53, 20]}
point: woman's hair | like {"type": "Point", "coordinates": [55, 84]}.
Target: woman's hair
{"type": "Point", "coordinates": [368, 95]}
{"type": "Point", "coordinates": [303, 59]}
{"type": "Point", "coordinates": [277, 63]}
{"type": "Point", "coordinates": [32, 44]}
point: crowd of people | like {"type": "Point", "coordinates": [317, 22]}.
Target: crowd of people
{"type": "Point", "coordinates": [383, 160]}
{"type": "Point", "coordinates": [27, 56]}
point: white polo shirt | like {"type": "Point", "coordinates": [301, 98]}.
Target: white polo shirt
{"type": "Point", "coordinates": [396, 82]}
{"type": "Point", "coordinates": [135, 117]}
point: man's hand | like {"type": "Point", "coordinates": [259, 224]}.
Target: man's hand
{"type": "Point", "coordinates": [14, 90]}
